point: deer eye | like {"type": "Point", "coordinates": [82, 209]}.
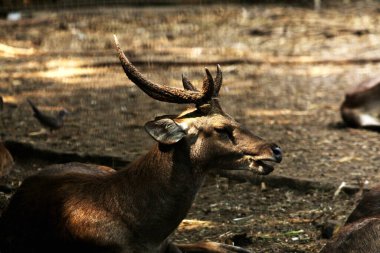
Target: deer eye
{"type": "Point", "coordinates": [225, 131]}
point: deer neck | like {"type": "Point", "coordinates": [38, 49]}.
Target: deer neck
{"type": "Point", "coordinates": [159, 190]}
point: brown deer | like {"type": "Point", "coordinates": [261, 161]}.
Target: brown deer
{"type": "Point", "coordinates": [361, 106]}
{"type": "Point", "coordinates": [88, 208]}
{"type": "Point", "coordinates": [361, 233]}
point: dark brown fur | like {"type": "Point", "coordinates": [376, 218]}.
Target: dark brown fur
{"type": "Point", "coordinates": [361, 234]}
{"type": "Point", "coordinates": [359, 237]}
{"type": "Point", "coordinates": [368, 206]}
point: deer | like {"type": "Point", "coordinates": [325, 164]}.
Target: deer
{"type": "Point", "coordinates": [361, 232]}
{"type": "Point", "coordinates": [77, 207]}
{"type": "Point", "coordinates": [361, 106]}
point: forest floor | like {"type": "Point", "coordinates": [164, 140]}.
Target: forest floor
{"type": "Point", "coordinates": [285, 73]}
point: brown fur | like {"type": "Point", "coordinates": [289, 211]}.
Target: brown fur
{"type": "Point", "coordinates": [368, 206]}
{"type": "Point", "coordinates": [359, 237]}
{"type": "Point", "coordinates": [361, 234]}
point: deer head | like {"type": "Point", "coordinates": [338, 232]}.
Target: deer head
{"type": "Point", "coordinates": [213, 138]}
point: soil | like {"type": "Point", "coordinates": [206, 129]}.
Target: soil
{"type": "Point", "coordinates": [285, 72]}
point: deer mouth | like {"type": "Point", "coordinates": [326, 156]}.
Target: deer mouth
{"type": "Point", "coordinates": [261, 167]}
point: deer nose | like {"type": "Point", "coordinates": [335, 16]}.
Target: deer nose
{"type": "Point", "coordinates": [277, 153]}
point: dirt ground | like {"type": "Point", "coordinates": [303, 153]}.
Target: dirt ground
{"type": "Point", "coordinates": [285, 73]}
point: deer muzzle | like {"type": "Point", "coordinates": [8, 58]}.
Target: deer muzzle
{"type": "Point", "coordinates": [263, 165]}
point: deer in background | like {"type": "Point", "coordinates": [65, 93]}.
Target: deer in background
{"type": "Point", "coordinates": [78, 207]}
{"type": "Point", "coordinates": [361, 233]}
{"type": "Point", "coordinates": [361, 106]}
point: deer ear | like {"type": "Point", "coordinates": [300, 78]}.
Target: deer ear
{"type": "Point", "coordinates": [165, 131]}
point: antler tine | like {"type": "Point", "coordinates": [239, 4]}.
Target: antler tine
{"type": "Point", "coordinates": [208, 85]}
{"type": "Point", "coordinates": [187, 84]}
{"type": "Point", "coordinates": [218, 80]}
{"type": "Point", "coordinates": [158, 91]}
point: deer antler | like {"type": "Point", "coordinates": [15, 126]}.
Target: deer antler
{"type": "Point", "coordinates": [218, 82]}
{"type": "Point", "coordinates": [187, 84]}
{"type": "Point", "coordinates": [162, 92]}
